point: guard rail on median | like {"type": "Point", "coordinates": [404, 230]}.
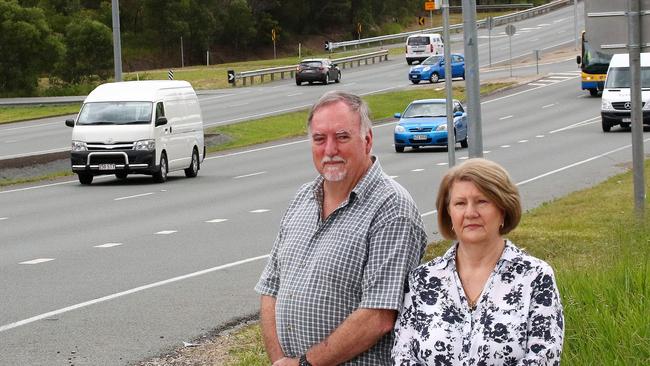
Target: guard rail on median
{"type": "Point", "coordinates": [496, 21]}
{"type": "Point", "coordinates": [366, 58]}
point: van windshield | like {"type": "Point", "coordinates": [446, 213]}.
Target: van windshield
{"type": "Point", "coordinates": [619, 77]}
{"type": "Point", "coordinates": [418, 41]}
{"type": "Point", "coordinates": [115, 113]}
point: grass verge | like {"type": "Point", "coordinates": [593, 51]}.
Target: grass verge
{"type": "Point", "coordinates": [26, 113]}
{"type": "Point", "coordinates": [601, 256]}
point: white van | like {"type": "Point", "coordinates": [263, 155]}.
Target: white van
{"type": "Point", "coordinates": [421, 46]}
{"type": "Point", "coordinates": [615, 108]}
{"type": "Point", "coordinates": [138, 127]}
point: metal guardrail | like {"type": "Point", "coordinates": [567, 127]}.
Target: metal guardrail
{"type": "Point", "coordinates": [496, 21]}
{"type": "Point", "coordinates": [366, 58]}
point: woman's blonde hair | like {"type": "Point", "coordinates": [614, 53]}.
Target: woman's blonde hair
{"type": "Point", "coordinates": [492, 180]}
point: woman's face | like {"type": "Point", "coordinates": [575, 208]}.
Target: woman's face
{"type": "Point", "coordinates": [475, 218]}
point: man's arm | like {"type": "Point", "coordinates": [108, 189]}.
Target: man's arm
{"type": "Point", "coordinates": [360, 331]}
{"type": "Point", "coordinates": [269, 331]}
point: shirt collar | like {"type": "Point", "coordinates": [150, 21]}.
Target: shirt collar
{"type": "Point", "coordinates": [510, 253]}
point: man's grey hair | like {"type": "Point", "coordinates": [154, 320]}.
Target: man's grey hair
{"type": "Point", "coordinates": [354, 102]}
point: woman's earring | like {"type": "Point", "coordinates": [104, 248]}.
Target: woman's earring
{"type": "Point", "coordinates": [501, 226]}
{"type": "Point", "coordinates": [452, 228]}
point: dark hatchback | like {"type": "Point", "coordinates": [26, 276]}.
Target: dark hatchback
{"type": "Point", "coordinates": [317, 69]}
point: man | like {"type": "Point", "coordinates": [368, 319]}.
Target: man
{"type": "Point", "coordinates": [335, 278]}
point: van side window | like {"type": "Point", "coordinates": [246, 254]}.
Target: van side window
{"type": "Point", "coordinates": [160, 110]}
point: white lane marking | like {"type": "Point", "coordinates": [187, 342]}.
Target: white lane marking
{"type": "Point", "coordinates": [127, 292]}
{"type": "Point", "coordinates": [577, 163]}
{"type": "Point", "coordinates": [261, 210]}
{"type": "Point", "coordinates": [531, 28]}
{"type": "Point", "coordinates": [533, 39]}
{"type": "Point", "coordinates": [539, 136]}
{"type": "Point", "coordinates": [577, 124]}
{"type": "Point", "coordinates": [294, 94]}
{"type": "Point", "coordinates": [60, 149]}
{"type": "Point", "coordinates": [215, 221]}
{"type": "Point", "coordinates": [572, 74]}
{"type": "Point", "coordinates": [166, 232]}
{"type": "Point", "coordinates": [393, 176]}
{"type": "Point", "coordinates": [505, 146]}
{"type": "Point", "coordinates": [134, 196]}
{"type": "Point", "coordinates": [253, 116]}
{"type": "Point", "coordinates": [521, 92]}
{"type": "Point", "coordinates": [239, 104]}
{"type": "Point", "coordinates": [107, 245]}
{"type": "Point", "coordinates": [463, 158]}
{"type": "Point", "coordinates": [548, 106]}
{"type": "Point", "coordinates": [3, 218]}
{"type": "Point", "coordinates": [441, 164]}
{"type": "Point", "coordinates": [505, 117]}
{"type": "Point", "coordinates": [353, 83]}
{"type": "Point", "coordinates": [543, 25]}
{"type": "Point", "coordinates": [561, 77]}
{"type": "Point", "coordinates": [417, 170]}
{"type": "Point", "coordinates": [254, 150]}
{"type": "Point", "coordinates": [37, 261]}
{"type": "Point", "coordinates": [522, 141]}
{"type": "Point", "coordinates": [537, 84]}
{"type": "Point", "coordinates": [486, 151]}
{"type": "Point", "coordinates": [215, 97]}
{"type": "Point", "coordinates": [248, 175]}
{"type": "Point", "coordinates": [428, 213]}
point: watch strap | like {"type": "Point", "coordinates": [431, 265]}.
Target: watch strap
{"type": "Point", "coordinates": [302, 361]}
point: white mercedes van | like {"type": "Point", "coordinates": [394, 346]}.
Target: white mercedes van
{"type": "Point", "coordinates": [615, 107]}
{"type": "Point", "coordinates": [138, 127]}
{"type": "Point", "coordinates": [420, 46]}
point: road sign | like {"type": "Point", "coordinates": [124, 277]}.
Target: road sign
{"type": "Point", "coordinates": [429, 5]}
{"type": "Point", "coordinates": [510, 30]}
{"type": "Point", "coordinates": [359, 27]}
{"type": "Point", "coordinates": [170, 74]}
{"type": "Point", "coordinates": [421, 20]}
{"type": "Point", "coordinates": [231, 76]}
{"type": "Point", "coordinates": [273, 37]}
{"type": "Point", "coordinates": [489, 23]}
{"type": "Point", "coordinates": [327, 46]}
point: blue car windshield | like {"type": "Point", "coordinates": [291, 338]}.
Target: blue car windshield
{"type": "Point", "coordinates": [433, 60]}
{"type": "Point", "coordinates": [115, 113]}
{"type": "Point", "coordinates": [425, 110]}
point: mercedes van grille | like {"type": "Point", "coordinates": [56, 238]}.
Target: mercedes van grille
{"type": "Point", "coordinates": [624, 106]}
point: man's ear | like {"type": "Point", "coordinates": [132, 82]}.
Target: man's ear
{"type": "Point", "coordinates": [368, 139]}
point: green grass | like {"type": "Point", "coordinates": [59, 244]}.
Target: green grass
{"type": "Point", "coordinates": [10, 182]}
{"type": "Point", "coordinates": [294, 124]}
{"type": "Point", "coordinates": [601, 256]}
{"type": "Point", "coordinates": [25, 113]}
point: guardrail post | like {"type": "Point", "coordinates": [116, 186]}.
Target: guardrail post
{"type": "Point", "coordinates": [243, 81]}
{"type": "Point", "coordinates": [272, 76]}
{"type": "Point", "coordinates": [262, 79]}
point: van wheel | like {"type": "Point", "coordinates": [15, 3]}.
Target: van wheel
{"type": "Point", "coordinates": [161, 175]}
{"type": "Point", "coordinates": [193, 169]}
{"type": "Point", "coordinates": [85, 179]}
{"type": "Point", "coordinates": [606, 126]}
{"type": "Point", "coordinates": [298, 82]}
{"type": "Point", "coordinates": [593, 92]}
{"type": "Point", "coordinates": [434, 77]}
{"type": "Point", "coordinates": [327, 78]}
{"type": "Point", "coordinates": [463, 143]}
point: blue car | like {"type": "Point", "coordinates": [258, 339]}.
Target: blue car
{"type": "Point", "coordinates": [433, 69]}
{"type": "Point", "coordinates": [424, 123]}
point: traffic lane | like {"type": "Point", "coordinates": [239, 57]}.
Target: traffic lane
{"type": "Point", "coordinates": [38, 136]}
{"type": "Point", "coordinates": [136, 327]}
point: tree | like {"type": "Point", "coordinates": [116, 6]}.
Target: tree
{"type": "Point", "coordinates": [27, 48]}
{"type": "Point", "coordinates": [89, 50]}
{"type": "Point", "coordinates": [239, 25]}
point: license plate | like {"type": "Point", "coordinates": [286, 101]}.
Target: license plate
{"type": "Point", "coordinates": [106, 166]}
{"type": "Point", "coordinates": [626, 120]}
{"type": "Point", "coordinates": [420, 137]}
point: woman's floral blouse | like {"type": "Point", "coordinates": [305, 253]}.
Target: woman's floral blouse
{"type": "Point", "coordinates": [518, 319]}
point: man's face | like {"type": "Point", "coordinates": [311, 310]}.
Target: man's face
{"type": "Point", "coordinates": [339, 151]}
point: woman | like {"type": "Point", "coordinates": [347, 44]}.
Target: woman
{"type": "Point", "coordinates": [485, 302]}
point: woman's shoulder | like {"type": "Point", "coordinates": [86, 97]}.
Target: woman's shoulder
{"type": "Point", "coordinates": [519, 257]}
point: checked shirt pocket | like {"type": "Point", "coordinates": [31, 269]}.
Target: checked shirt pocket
{"type": "Point", "coordinates": [341, 259]}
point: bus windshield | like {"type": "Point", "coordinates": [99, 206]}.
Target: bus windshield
{"type": "Point", "coordinates": [593, 61]}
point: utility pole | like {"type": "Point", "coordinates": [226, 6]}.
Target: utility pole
{"type": "Point", "coordinates": [117, 45]}
{"type": "Point", "coordinates": [451, 138]}
{"type": "Point", "coordinates": [475, 134]}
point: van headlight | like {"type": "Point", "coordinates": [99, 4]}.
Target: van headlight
{"type": "Point", "coordinates": [79, 146]}
{"type": "Point", "coordinates": [606, 105]}
{"type": "Point", "coordinates": [646, 106]}
{"type": "Point", "coordinates": [442, 128]}
{"type": "Point", "coordinates": [400, 129]}
{"type": "Point", "coordinates": [144, 145]}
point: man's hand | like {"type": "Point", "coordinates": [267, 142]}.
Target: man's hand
{"type": "Point", "coordinates": [286, 361]}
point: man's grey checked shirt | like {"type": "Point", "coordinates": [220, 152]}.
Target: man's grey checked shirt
{"type": "Point", "coordinates": [359, 257]}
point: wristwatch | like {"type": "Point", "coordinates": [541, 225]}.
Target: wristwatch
{"type": "Point", "coordinates": [302, 361]}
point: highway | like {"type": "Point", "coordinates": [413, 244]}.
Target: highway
{"type": "Point", "coordinates": [120, 271]}
{"type": "Point", "coordinates": [233, 105]}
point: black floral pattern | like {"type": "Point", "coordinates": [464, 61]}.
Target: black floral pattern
{"type": "Point", "coordinates": [518, 319]}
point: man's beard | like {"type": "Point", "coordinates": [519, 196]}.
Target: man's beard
{"type": "Point", "coordinates": [334, 175]}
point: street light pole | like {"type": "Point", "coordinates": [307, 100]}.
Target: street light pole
{"type": "Point", "coordinates": [451, 137]}
{"type": "Point", "coordinates": [472, 80]}
{"type": "Point", "coordinates": [117, 45]}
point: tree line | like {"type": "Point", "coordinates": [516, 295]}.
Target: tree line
{"type": "Point", "coordinates": [71, 41]}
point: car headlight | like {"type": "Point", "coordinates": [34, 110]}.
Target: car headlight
{"type": "Point", "coordinates": [144, 145]}
{"type": "Point", "coordinates": [426, 68]}
{"type": "Point", "coordinates": [441, 128]}
{"type": "Point", "coordinates": [646, 105]}
{"type": "Point", "coordinates": [606, 105]}
{"type": "Point", "coordinates": [79, 146]}
{"type": "Point", "coordinates": [400, 129]}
